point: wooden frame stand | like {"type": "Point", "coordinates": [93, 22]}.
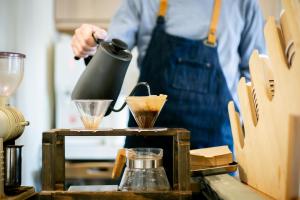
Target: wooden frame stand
{"type": "Point", "coordinates": [267, 146]}
{"type": "Point", "coordinates": [53, 166]}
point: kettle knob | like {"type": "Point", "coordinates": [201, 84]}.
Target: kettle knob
{"type": "Point", "coordinates": [119, 45]}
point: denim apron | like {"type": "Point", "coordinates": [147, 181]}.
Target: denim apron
{"type": "Point", "coordinates": [189, 72]}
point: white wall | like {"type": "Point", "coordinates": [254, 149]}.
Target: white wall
{"type": "Point", "coordinates": [28, 27]}
{"type": "Point", "coordinates": [7, 26]}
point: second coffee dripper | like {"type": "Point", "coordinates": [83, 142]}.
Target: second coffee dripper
{"type": "Point", "coordinates": [145, 109]}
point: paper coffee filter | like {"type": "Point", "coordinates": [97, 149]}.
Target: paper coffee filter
{"type": "Point", "coordinates": [146, 103]}
{"type": "Point", "coordinates": [145, 109]}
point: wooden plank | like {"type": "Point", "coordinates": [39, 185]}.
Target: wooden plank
{"type": "Point", "coordinates": [89, 170]}
{"type": "Point", "coordinates": [267, 148]}
{"type": "Point", "coordinates": [183, 162]}
{"type": "Point", "coordinates": [47, 178]}
{"type": "Point", "coordinates": [70, 14]}
{"type": "Point", "coordinates": [45, 195]}
{"type": "Point", "coordinates": [118, 132]}
{"type": "Point", "coordinates": [47, 163]}
{"type": "Point", "coordinates": [119, 163]}
{"type": "Point", "coordinates": [85, 9]}
{"type": "Point", "coordinates": [175, 164]}
{"type": "Point", "coordinates": [53, 169]}
{"type": "Point", "coordinates": [230, 188]}
{"type": "Point", "coordinates": [291, 9]}
{"type": "Point", "coordinates": [293, 161]}
{"type": "Point", "coordinates": [59, 153]}
{"type": "Point", "coordinates": [25, 193]}
{"type": "Point", "coordinates": [171, 195]}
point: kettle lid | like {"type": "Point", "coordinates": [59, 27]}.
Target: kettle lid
{"type": "Point", "coordinates": [117, 48]}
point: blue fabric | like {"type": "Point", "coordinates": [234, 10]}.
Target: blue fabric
{"type": "Point", "coordinates": [240, 29]}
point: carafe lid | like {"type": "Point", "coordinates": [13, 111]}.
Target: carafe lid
{"type": "Point", "coordinates": [144, 158]}
{"type": "Point", "coordinates": [117, 48]}
{"type": "Point", "coordinates": [11, 55]}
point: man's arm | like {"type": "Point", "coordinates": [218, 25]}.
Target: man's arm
{"type": "Point", "coordinates": [124, 26]}
{"type": "Point", "coordinates": [252, 36]}
{"type": "Point", "coordinates": [126, 21]}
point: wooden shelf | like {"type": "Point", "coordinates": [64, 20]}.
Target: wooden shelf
{"type": "Point", "coordinates": [70, 14]}
{"type": "Point", "coordinates": [119, 132]}
{"type": "Point", "coordinates": [25, 193]}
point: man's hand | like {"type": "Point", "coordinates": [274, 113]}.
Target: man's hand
{"type": "Point", "coordinates": [83, 43]}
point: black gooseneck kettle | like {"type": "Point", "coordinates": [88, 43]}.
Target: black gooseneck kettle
{"type": "Point", "coordinates": [105, 73]}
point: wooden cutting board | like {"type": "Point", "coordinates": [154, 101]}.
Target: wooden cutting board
{"type": "Point", "coordinates": [268, 148]}
{"type": "Point", "coordinates": [210, 157]}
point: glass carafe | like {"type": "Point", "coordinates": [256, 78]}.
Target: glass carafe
{"type": "Point", "coordinates": [144, 171]}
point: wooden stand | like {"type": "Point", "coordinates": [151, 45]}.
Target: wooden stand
{"type": "Point", "coordinates": [267, 146]}
{"type": "Point", "coordinates": [53, 169]}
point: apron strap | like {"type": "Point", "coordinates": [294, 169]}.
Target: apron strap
{"type": "Point", "coordinates": [163, 8]}
{"type": "Point", "coordinates": [212, 35]}
{"type": "Point", "coordinates": [212, 38]}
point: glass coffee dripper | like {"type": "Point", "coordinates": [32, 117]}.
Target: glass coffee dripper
{"type": "Point", "coordinates": [144, 170]}
{"type": "Point", "coordinates": [92, 111]}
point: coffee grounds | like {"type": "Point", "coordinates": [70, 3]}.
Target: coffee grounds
{"type": "Point", "coordinates": [145, 119]}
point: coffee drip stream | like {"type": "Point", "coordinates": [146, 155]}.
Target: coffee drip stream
{"type": "Point", "coordinates": [132, 94]}
{"type": "Point", "coordinates": [145, 109]}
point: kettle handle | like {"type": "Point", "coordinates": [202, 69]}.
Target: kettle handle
{"type": "Point", "coordinates": [87, 59]}
{"type": "Point", "coordinates": [132, 93]}
{"type": "Point", "coordinates": [119, 163]}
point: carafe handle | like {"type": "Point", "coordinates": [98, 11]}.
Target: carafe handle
{"type": "Point", "coordinates": [119, 163]}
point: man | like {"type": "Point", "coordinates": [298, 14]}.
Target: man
{"type": "Point", "coordinates": [194, 51]}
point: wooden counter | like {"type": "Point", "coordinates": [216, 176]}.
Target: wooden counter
{"type": "Point", "coordinates": [224, 187]}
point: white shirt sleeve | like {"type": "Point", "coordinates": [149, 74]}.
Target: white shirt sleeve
{"type": "Point", "coordinates": [252, 35]}
{"type": "Point", "coordinates": [125, 23]}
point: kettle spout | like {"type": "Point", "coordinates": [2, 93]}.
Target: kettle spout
{"type": "Point", "coordinates": [145, 84]}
